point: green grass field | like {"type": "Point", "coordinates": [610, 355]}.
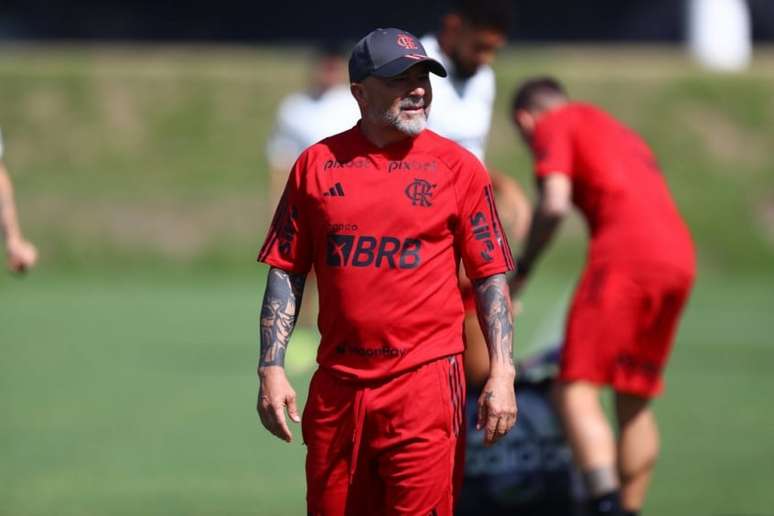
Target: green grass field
{"type": "Point", "coordinates": [127, 380]}
{"type": "Point", "coordinates": [129, 397]}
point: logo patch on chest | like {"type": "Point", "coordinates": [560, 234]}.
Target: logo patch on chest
{"type": "Point", "coordinates": [419, 192]}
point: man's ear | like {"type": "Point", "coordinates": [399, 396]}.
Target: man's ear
{"type": "Point", "coordinates": [358, 92]}
{"type": "Point", "coordinates": [524, 120]}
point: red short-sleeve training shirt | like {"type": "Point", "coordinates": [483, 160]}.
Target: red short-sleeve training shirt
{"type": "Point", "coordinates": [385, 229]}
{"type": "Point", "coordinates": [618, 186]}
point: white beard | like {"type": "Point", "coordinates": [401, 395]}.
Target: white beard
{"type": "Point", "coordinates": [411, 126]}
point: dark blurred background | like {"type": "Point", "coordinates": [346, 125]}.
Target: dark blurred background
{"type": "Point", "coordinates": [294, 21]}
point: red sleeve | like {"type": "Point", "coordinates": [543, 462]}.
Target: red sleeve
{"type": "Point", "coordinates": [288, 246]}
{"type": "Point", "coordinates": [552, 145]}
{"type": "Point", "coordinates": [482, 243]}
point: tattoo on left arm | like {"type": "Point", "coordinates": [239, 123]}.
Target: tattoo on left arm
{"type": "Point", "coordinates": [493, 302]}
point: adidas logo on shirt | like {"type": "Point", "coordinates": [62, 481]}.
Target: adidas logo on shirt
{"type": "Point", "coordinates": [335, 191]}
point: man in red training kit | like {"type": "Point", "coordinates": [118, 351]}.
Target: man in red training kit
{"type": "Point", "coordinates": [384, 212]}
{"type": "Point", "coordinates": [626, 308]}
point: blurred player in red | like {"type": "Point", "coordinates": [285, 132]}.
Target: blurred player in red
{"type": "Point", "coordinates": [384, 212]}
{"type": "Point", "coordinates": [21, 254]}
{"type": "Point", "coordinates": [638, 276]}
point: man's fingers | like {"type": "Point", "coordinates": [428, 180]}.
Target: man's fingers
{"type": "Point", "coordinates": [282, 424]}
{"type": "Point", "coordinates": [491, 428]}
{"type": "Point", "coordinates": [498, 423]}
{"type": "Point", "coordinates": [293, 409]}
{"type": "Point", "coordinates": [267, 420]}
{"type": "Point", "coordinates": [264, 413]}
{"type": "Point", "coordinates": [482, 414]}
{"type": "Point", "coordinates": [503, 425]}
{"type": "Point", "coordinates": [273, 419]}
{"type": "Point", "coordinates": [276, 395]}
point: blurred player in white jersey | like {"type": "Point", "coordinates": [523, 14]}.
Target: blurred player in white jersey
{"type": "Point", "coordinates": [471, 33]}
{"type": "Point", "coordinates": [325, 108]}
{"type": "Point", "coordinates": [21, 254]}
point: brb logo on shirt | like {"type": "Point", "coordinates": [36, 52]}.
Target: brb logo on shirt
{"type": "Point", "coordinates": [369, 251]}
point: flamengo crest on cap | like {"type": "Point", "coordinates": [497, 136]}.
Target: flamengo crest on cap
{"type": "Point", "coordinates": [406, 41]}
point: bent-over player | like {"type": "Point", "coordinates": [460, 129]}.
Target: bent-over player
{"type": "Point", "coordinates": [383, 213]}
{"type": "Point", "coordinates": [638, 276]}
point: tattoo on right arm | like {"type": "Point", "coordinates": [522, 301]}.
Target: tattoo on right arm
{"type": "Point", "coordinates": [494, 314]}
{"type": "Point", "coordinates": [279, 313]}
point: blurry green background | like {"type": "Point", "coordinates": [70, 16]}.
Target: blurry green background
{"type": "Point", "coordinates": [127, 358]}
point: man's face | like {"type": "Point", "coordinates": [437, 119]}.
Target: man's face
{"type": "Point", "coordinates": [401, 102]}
{"type": "Point", "coordinates": [474, 47]}
{"type": "Point", "coordinates": [525, 121]}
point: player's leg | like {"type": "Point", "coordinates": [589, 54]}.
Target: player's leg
{"type": "Point", "coordinates": [638, 448]}
{"type": "Point", "coordinates": [638, 378]}
{"type": "Point", "coordinates": [592, 442]}
{"type": "Point", "coordinates": [601, 319]}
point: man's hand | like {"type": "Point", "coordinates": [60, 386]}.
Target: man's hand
{"type": "Point", "coordinates": [279, 313]}
{"type": "Point", "coordinates": [22, 255]}
{"type": "Point", "coordinates": [497, 407]}
{"type": "Point", "coordinates": [274, 396]}
{"type": "Point", "coordinates": [497, 404]}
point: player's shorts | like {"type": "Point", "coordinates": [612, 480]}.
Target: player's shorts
{"type": "Point", "coordinates": [385, 447]}
{"type": "Point", "coordinates": [621, 326]}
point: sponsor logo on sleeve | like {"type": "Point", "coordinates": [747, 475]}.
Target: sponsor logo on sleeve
{"type": "Point", "coordinates": [483, 233]}
{"type": "Point", "coordinates": [287, 232]}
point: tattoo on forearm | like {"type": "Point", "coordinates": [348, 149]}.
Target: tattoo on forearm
{"type": "Point", "coordinates": [279, 313]}
{"type": "Point", "coordinates": [494, 315]}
